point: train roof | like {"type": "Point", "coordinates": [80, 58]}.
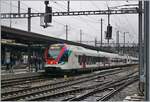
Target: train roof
{"type": "Point", "coordinates": [81, 51]}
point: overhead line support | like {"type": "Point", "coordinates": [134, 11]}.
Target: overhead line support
{"type": "Point", "coordinates": [71, 13]}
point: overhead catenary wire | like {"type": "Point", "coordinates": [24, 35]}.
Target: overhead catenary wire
{"type": "Point", "coordinates": [120, 22]}
{"type": "Point", "coordinates": [119, 18]}
{"type": "Point", "coordinates": [20, 22]}
{"type": "Point", "coordinates": [79, 16]}
{"type": "Point", "coordinates": [132, 28]}
{"type": "Point", "coordinates": [61, 23]}
{"type": "Point", "coordinates": [89, 22]}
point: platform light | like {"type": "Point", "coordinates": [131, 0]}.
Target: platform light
{"type": "Point", "coordinates": [7, 41]}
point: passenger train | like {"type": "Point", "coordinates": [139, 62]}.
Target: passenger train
{"type": "Point", "coordinates": [66, 58]}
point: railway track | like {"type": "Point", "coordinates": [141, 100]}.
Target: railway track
{"type": "Point", "coordinates": [93, 89]}
{"type": "Point", "coordinates": [16, 87]}
{"type": "Point", "coordinates": [51, 89]}
{"type": "Point", "coordinates": [12, 83]}
{"type": "Point", "coordinates": [115, 86]}
{"type": "Point", "coordinates": [20, 81]}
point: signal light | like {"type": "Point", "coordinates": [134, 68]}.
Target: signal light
{"type": "Point", "coordinates": [48, 16]}
{"type": "Point", "coordinates": [46, 2]}
{"type": "Point", "coordinates": [109, 32]}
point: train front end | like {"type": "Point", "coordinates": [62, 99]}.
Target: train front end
{"type": "Point", "coordinates": [56, 57]}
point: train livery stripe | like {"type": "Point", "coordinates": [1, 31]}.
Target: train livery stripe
{"type": "Point", "coordinates": [45, 54]}
{"type": "Point", "coordinates": [61, 53]}
{"type": "Point", "coordinates": [69, 52]}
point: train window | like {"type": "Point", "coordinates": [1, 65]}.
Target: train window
{"type": "Point", "coordinates": [98, 59]}
{"type": "Point", "coordinates": [84, 58]}
{"type": "Point", "coordinates": [115, 60]}
{"type": "Point", "coordinates": [54, 51]}
{"type": "Point", "coordinates": [106, 59]}
{"type": "Point", "coordinates": [102, 59]}
{"type": "Point", "coordinates": [87, 60]}
{"type": "Point", "coordinates": [94, 60]}
{"type": "Point", "coordinates": [80, 59]}
{"type": "Point", "coordinates": [91, 60]}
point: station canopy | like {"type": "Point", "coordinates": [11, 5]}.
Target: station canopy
{"type": "Point", "coordinates": [25, 37]}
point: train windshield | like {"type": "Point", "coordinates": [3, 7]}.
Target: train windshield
{"type": "Point", "coordinates": [54, 51]}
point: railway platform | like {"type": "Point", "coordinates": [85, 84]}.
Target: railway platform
{"type": "Point", "coordinates": [19, 71]}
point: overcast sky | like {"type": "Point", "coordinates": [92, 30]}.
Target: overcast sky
{"type": "Point", "coordinates": [90, 25]}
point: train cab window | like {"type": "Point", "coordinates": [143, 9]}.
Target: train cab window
{"type": "Point", "coordinates": [54, 51]}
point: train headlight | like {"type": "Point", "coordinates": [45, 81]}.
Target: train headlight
{"type": "Point", "coordinates": [62, 63]}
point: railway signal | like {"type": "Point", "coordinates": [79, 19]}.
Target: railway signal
{"type": "Point", "coordinates": [47, 15]}
{"type": "Point", "coordinates": [109, 32]}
